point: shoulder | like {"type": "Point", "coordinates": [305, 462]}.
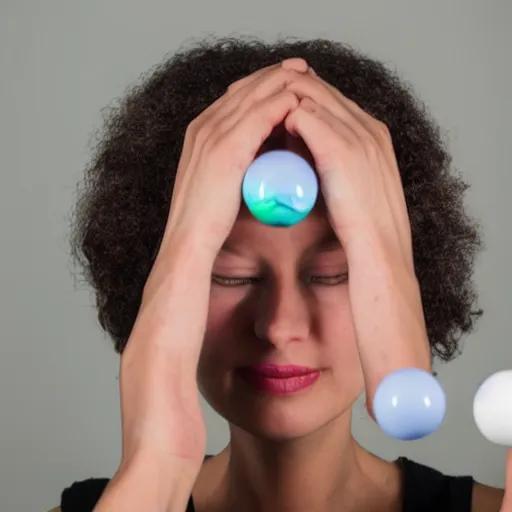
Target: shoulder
{"type": "Point", "coordinates": [486, 498]}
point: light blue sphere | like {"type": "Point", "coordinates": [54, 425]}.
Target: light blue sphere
{"type": "Point", "coordinates": [280, 188]}
{"type": "Point", "coordinates": [409, 404]}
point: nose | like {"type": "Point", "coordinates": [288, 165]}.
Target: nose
{"type": "Point", "coordinates": [282, 314]}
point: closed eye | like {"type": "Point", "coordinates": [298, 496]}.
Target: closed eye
{"type": "Point", "coordinates": [330, 280]}
{"type": "Point", "coordinates": [245, 281]}
{"type": "Point", "coordinates": [233, 281]}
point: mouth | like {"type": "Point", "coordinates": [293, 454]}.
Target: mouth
{"type": "Point", "coordinates": [279, 379]}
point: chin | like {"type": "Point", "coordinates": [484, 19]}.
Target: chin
{"type": "Point", "coordinates": [281, 418]}
{"type": "Point", "coordinates": [278, 428]}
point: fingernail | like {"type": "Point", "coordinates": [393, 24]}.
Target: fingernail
{"type": "Point", "coordinates": [295, 64]}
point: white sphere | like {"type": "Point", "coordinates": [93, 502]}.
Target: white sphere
{"type": "Point", "coordinates": [492, 408]}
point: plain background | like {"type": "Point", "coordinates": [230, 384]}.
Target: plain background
{"type": "Point", "coordinates": [62, 61]}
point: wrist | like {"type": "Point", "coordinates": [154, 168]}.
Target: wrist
{"type": "Point", "coordinates": [380, 252]}
{"type": "Point", "coordinates": [181, 242]}
{"type": "Point", "coordinates": [180, 259]}
{"type": "Point", "coordinates": [145, 483]}
{"type": "Point", "coordinates": [387, 306]}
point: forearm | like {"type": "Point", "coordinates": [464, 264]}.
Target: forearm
{"type": "Point", "coordinates": [385, 293]}
{"type": "Point", "coordinates": [146, 486]}
{"type": "Point", "coordinates": [175, 301]}
{"type": "Point", "coordinates": [163, 439]}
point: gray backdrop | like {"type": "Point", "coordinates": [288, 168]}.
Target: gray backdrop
{"type": "Point", "coordinates": [61, 61]}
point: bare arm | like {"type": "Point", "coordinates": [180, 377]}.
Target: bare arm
{"type": "Point", "coordinates": [164, 437]}
{"type": "Point", "coordinates": [142, 486]}
{"type": "Point", "coordinates": [487, 499]}
{"type": "Point", "coordinates": [163, 432]}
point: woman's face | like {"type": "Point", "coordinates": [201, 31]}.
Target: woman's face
{"type": "Point", "coordinates": [280, 296]}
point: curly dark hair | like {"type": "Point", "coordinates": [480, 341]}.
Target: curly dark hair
{"type": "Point", "coordinates": [124, 199]}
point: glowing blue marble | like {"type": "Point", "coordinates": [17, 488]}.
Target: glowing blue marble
{"type": "Point", "coordinates": [280, 188]}
{"type": "Point", "coordinates": [409, 404]}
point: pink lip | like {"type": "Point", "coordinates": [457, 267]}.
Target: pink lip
{"type": "Point", "coordinates": [279, 380]}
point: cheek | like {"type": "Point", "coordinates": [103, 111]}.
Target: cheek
{"type": "Point", "coordinates": [338, 336]}
{"type": "Point", "coordinates": [332, 330]}
{"type": "Point", "coordinates": [335, 325]}
{"type": "Point", "coordinates": [222, 316]}
{"type": "Point", "coordinates": [218, 349]}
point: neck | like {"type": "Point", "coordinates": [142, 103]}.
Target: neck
{"type": "Point", "coordinates": [322, 472]}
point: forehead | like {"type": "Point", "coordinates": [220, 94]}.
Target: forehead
{"type": "Point", "coordinates": [250, 234]}
{"type": "Point", "coordinates": [315, 229]}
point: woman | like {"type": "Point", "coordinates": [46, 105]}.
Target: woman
{"type": "Point", "coordinates": [199, 296]}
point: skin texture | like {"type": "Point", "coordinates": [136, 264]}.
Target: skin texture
{"type": "Point", "coordinates": [293, 303]}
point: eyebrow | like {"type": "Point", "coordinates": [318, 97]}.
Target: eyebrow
{"type": "Point", "coordinates": [227, 247]}
{"type": "Point", "coordinates": [328, 243]}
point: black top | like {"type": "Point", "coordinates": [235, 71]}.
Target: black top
{"type": "Point", "coordinates": [425, 490]}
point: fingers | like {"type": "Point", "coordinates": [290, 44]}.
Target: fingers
{"type": "Point", "coordinates": [227, 110]}
{"type": "Point", "coordinates": [262, 86]}
{"type": "Point", "coordinates": [295, 64]}
{"type": "Point", "coordinates": [310, 85]}
{"type": "Point", "coordinates": [241, 95]}
{"type": "Point", "coordinates": [371, 132]}
{"type": "Point", "coordinates": [233, 150]}
{"type": "Point", "coordinates": [313, 123]}
{"type": "Point", "coordinates": [374, 137]}
{"type": "Point", "coordinates": [313, 87]}
{"type": "Point", "coordinates": [240, 98]}
{"type": "Point", "coordinates": [245, 136]}
{"type": "Point", "coordinates": [334, 142]}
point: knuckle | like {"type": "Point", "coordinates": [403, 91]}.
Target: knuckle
{"type": "Point", "coordinates": [370, 147]}
{"type": "Point", "coordinates": [191, 133]}
{"type": "Point", "coordinates": [382, 130]}
{"type": "Point", "coordinates": [289, 75]}
{"type": "Point", "coordinates": [199, 131]}
{"type": "Point", "coordinates": [212, 143]}
{"type": "Point", "coordinates": [291, 97]}
{"type": "Point", "coordinates": [223, 126]}
{"type": "Point", "coordinates": [191, 127]}
{"type": "Point", "coordinates": [353, 146]}
{"type": "Point", "coordinates": [234, 86]}
{"type": "Point", "coordinates": [308, 104]}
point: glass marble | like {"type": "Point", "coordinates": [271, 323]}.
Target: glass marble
{"type": "Point", "coordinates": [280, 188]}
{"type": "Point", "coordinates": [492, 408]}
{"type": "Point", "coordinates": [409, 404]}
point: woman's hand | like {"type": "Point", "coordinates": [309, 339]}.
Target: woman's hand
{"type": "Point", "coordinates": [355, 159]}
{"type": "Point", "coordinates": [219, 146]}
{"type": "Point", "coordinates": [163, 431]}
{"type": "Point", "coordinates": [361, 184]}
